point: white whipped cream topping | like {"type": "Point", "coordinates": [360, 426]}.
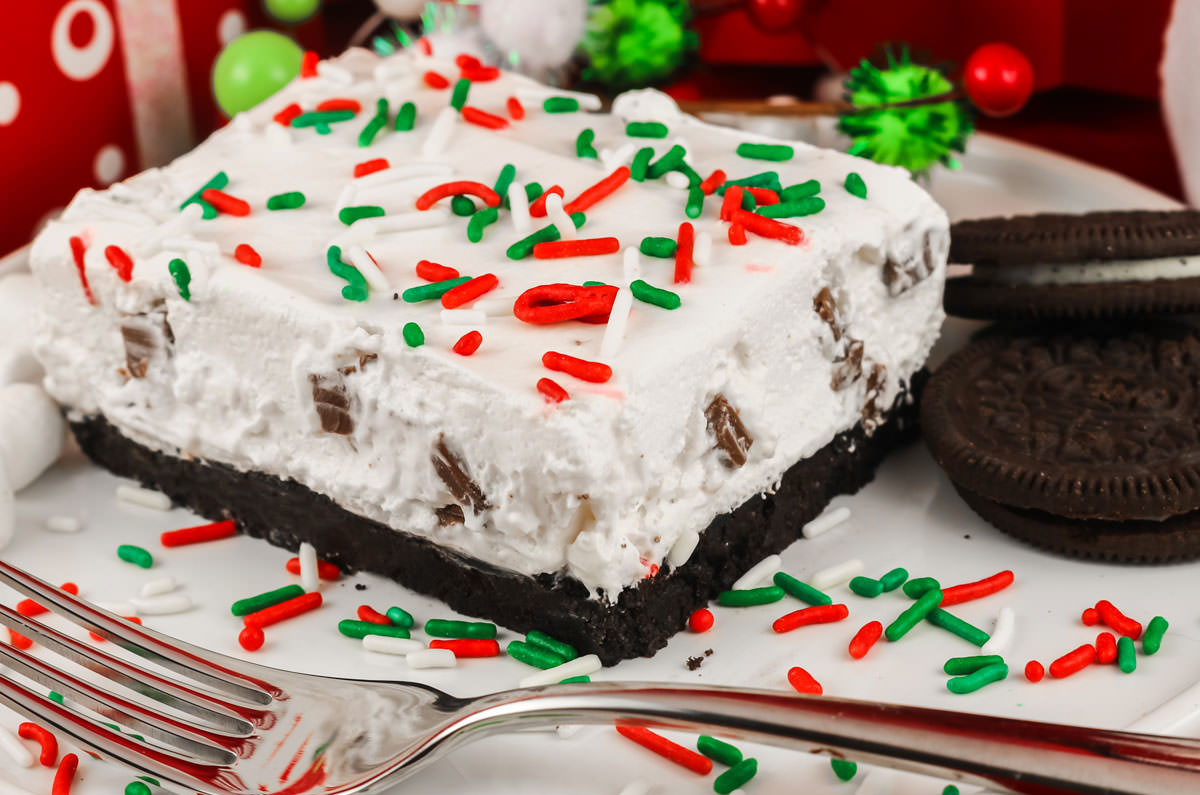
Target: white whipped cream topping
{"type": "Point", "coordinates": [1120, 270]}
{"type": "Point", "coordinates": [599, 487]}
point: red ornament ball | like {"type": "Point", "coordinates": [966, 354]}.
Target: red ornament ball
{"type": "Point", "coordinates": [251, 638]}
{"type": "Point", "coordinates": [771, 15]}
{"type": "Point", "coordinates": [998, 79]}
{"type": "Point", "coordinates": [701, 620]}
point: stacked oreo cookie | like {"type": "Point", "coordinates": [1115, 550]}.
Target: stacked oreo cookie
{"type": "Point", "coordinates": [1073, 422]}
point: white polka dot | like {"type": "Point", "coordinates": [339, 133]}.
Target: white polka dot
{"type": "Point", "coordinates": [231, 25]}
{"type": "Point", "coordinates": [10, 103]}
{"type": "Point", "coordinates": [82, 63]}
{"type": "Point", "coordinates": [109, 164]}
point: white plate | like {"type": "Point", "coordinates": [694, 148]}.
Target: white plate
{"type": "Point", "coordinates": [909, 516]}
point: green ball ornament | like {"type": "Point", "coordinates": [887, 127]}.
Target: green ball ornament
{"type": "Point", "coordinates": [292, 12]}
{"type": "Point", "coordinates": [252, 67]}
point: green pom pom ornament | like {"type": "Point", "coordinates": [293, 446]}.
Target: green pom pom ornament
{"type": "Point", "coordinates": [887, 130]}
{"type": "Point", "coordinates": [252, 67]}
{"type": "Point", "coordinates": [633, 43]}
{"type": "Point", "coordinates": [292, 12]}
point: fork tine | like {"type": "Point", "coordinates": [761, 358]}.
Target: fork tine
{"type": "Point", "coordinates": [183, 658]}
{"type": "Point", "coordinates": [223, 718]}
{"type": "Point", "coordinates": [187, 737]}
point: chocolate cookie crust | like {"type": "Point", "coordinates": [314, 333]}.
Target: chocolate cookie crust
{"type": "Point", "coordinates": [643, 618]}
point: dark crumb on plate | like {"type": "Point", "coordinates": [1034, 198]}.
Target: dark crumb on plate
{"type": "Point", "coordinates": [708, 652]}
{"type": "Point", "coordinates": [360, 586]}
{"type": "Point", "coordinates": [694, 662]}
{"type": "Point", "coordinates": [967, 536]}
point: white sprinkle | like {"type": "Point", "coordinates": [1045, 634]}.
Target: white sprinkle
{"type": "Point", "coordinates": [405, 222]}
{"type": "Point", "coordinates": [535, 96]}
{"type": "Point", "coordinates": [162, 605]}
{"type": "Point", "coordinates": [439, 134]}
{"type": "Point", "coordinates": [562, 222]}
{"type": "Point", "coordinates": [376, 279]}
{"type": "Point", "coordinates": [385, 645]}
{"type": "Point", "coordinates": [683, 548]}
{"type": "Point", "coordinates": [637, 787]}
{"type": "Point", "coordinates": [135, 495]}
{"type": "Point", "coordinates": [12, 746]}
{"type": "Point", "coordinates": [580, 666]}
{"type": "Point", "coordinates": [702, 250]}
{"type": "Point", "coordinates": [518, 204]}
{"type": "Point", "coordinates": [346, 197]}
{"type": "Point", "coordinates": [432, 658]}
{"type": "Point", "coordinates": [612, 159]}
{"type": "Point", "coordinates": [1002, 634]}
{"type": "Point", "coordinates": [242, 123]}
{"type": "Point", "coordinates": [463, 317]}
{"type": "Point", "coordinates": [614, 330]}
{"type": "Point", "coordinates": [678, 180]}
{"type": "Point", "coordinates": [117, 608]}
{"type": "Point", "coordinates": [826, 522]}
{"type": "Point", "coordinates": [309, 580]}
{"type": "Point", "coordinates": [63, 524]}
{"type": "Point", "coordinates": [335, 74]}
{"type": "Point", "coordinates": [277, 136]}
{"type": "Point", "coordinates": [632, 263]}
{"type": "Point", "coordinates": [758, 573]}
{"type": "Point", "coordinates": [500, 306]}
{"type": "Point", "coordinates": [405, 173]}
{"type": "Point", "coordinates": [836, 574]}
{"type": "Point", "coordinates": [157, 587]}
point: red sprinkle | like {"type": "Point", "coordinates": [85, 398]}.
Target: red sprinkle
{"type": "Point", "coordinates": [595, 372]}
{"type": "Point", "coordinates": [325, 569]}
{"type": "Point", "coordinates": [482, 118]}
{"type": "Point", "coordinates": [768, 227]}
{"type": "Point", "coordinates": [1118, 621]}
{"type": "Point", "coordinates": [308, 64]}
{"type": "Point", "coordinates": [1034, 671]}
{"type": "Point", "coordinates": [685, 241]}
{"type": "Point", "coordinates": [553, 392]}
{"type": "Point", "coordinates": [373, 616]}
{"type": "Point", "coordinates": [468, 343]}
{"type": "Point", "coordinates": [762, 196]}
{"type": "Point", "coordinates": [199, 534]}
{"type": "Point", "coordinates": [712, 182]}
{"type": "Point", "coordinates": [30, 608]}
{"type": "Point", "coordinates": [435, 80]}
{"type": "Point", "coordinates": [600, 190]}
{"type": "Point", "coordinates": [803, 681]}
{"type": "Point", "coordinates": [555, 303]}
{"type": "Point", "coordinates": [1106, 648]}
{"type": "Point", "coordinates": [668, 750]}
{"type": "Point", "coordinates": [468, 647]}
{"type": "Point", "coordinates": [246, 254]}
{"type": "Point", "coordinates": [480, 74]}
{"type": "Point", "coordinates": [590, 247]}
{"type": "Point", "coordinates": [251, 638]}
{"type": "Point", "coordinates": [19, 641]}
{"type": "Point", "coordinates": [230, 205]}
{"type": "Point", "coordinates": [1090, 617]}
{"type": "Point", "coordinates": [120, 261]}
{"type": "Point", "coordinates": [731, 202]}
{"type": "Point", "coordinates": [537, 209]}
{"type": "Point", "coordinates": [433, 272]}
{"type": "Point", "coordinates": [737, 234]}
{"type": "Point", "coordinates": [701, 620]}
{"type": "Point", "coordinates": [78, 249]}
{"type": "Point", "coordinates": [864, 639]}
{"type": "Point", "coordinates": [968, 591]}
{"type": "Point", "coordinates": [43, 737]}
{"type": "Point", "coordinates": [467, 292]}
{"type": "Point", "coordinates": [283, 611]}
{"type": "Point", "coordinates": [370, 166]}
{"type": "Point", "coordinates": [64, 775]}
{"type": "Point", "coordinates": [515, 108]}
{"type": "Point", "coordinates": [818, 614]}
{"type": "Point", "coordinates": [286, 115]}
{"type": "Point", "coordinates": [467, 61]}
{"type": "Point", "coordinates": [446, 189]}
{"type": "Point", "coordinates": [340, 103]}
{"type": "Point", "coordinates": [424, 46]}
{"type": "Point", "coordinates": [1073, 661]}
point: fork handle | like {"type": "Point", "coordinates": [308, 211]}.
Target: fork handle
{"type": "Point", "coordinates": [1015, 755]}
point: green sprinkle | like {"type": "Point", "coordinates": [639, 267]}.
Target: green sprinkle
{"type": "Point", "coordinates": [957, 666]}
{"type": "Point", "coordinates": [533, 655]}
{"type": "Point", "coordinates": [55, 696]}
{"type": "Point", "coordinates": [1152, 640]}
{"type": "Point", "coordinates": [950, 789]}
{"type": "Point", "coordinates": [560, 105]}
{"type": "Point", "coordinates": [776, 152]}
{"type": "Point", "coordinates": [893, 579]}
{"type": "Point", "coordinates": [735, 776]}
{"type": "Point", "coordinates": [913, 614]}
{"type": "Point", "coordinates": [585, 143]}
{"type": "Point", "coordinates": [252, 604]}
{"type": "Point", "coordinates": [955, 625]}
{"type": "Point", "coordinates": [322, 128]}
{"type": "Point", "coordinates": [462, 206]}
{"type": "Point", "coordinates": [137, 788]}
{"type": "Point", "coordinates": [914, 588]}
{"type": "Point", "coordinates": [507, 175]}
{"type": "Point", "coordinates": [646, 129]}
{"type": "Point", "coordinates": [182, 276]}
{"type": "Point", "coordinates": [356, 289]}
{"type": "Point", "coordinates": [799, 191]}
{"type": "Point", "coordinates": [480, 221]}
{"type": "Point", "coordinates": [367, 136]}
{"type": "Point", "coordinates": [149, 780]}
{"type": "Point", "coordinates": [360, 629]}
{"type": "Point", "coordinates": [718, 750]}
{"type": "Point", "coordinates": [866, 586]}
{"type": "Point", "coordinates": [668, 162]}
{"type": "Point", "coordinates": [750, 596]}
{"type": "Point", "coordinates": [400, 617]}
{"type": "Point", "coordinates": [135, 555]}
{"type": "Point", "coordinates": [219, 181]}
{"type": "Point", "coordinates": [286, 201]}
{"type": "Point", "coordinates": [575, 680]}
{"type": "Point", "coordinates": [414, 337]}
{"type": "Point", "coordinates": [800, 207]}
{"type": "Point", "coordinates": [533, 190]}
{"type": "Point", "coordinates": [593, 283]}
{"type": "Point", "coordinates": [446, 628]}
{"type": "Point", "coordinates": [406, 117]}
{"type": "Point", "coordinates": [348, 215]}
{"type": "Point", "coordinates": [322, 117]}
{"type": "Point", "coordinates": [663, 247]}
{"type": "Point", "coordinates": [543, 641]}
{"type": "Point", "coordinates": [801, 590]}
{"type": "Point", "coordinates": [844, 768]}
{"type": "Point", "coordinates": [973, 681]}
{"type": "Point", "coordinates": [524, 247]}
{"type": "Point", "coordinates": [648, 293]}
{"type": "Point", "coordinates": [764, 179]}
{"type": "Point", "coordinates": [694, 179]}
{"type": "Point", "coordinates": [748, 201]}
{"type": "Point", "coordinates": [695, 202]}
{"type": "Point", "coordinates": [637, 169]}
{"type": "Point", "coordinates": [458, 97]}
{"type": "Point", "coordinates": [1126, 656]}
{"type": "Point", "coordinates": [855, 185]}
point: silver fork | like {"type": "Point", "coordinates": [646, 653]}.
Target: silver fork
{"type": "Point", "coordinates": [236, 728]}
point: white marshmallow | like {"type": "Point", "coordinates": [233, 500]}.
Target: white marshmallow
{"type": "Point", "coordinates": [32, 432]}
{"type": "Point", "coordinates": [19, 295]}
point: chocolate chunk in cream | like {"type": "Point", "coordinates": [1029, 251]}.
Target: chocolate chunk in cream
{"type": "Point", "coordinates": [454, 474]}
{"type": "Point", "coordinates": [726, 427]}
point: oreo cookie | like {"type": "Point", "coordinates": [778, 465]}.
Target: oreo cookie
{"type": "Point", "coordinates": [1087, 266]}
{"type": "Point", "coordinates": [1086, 442]}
